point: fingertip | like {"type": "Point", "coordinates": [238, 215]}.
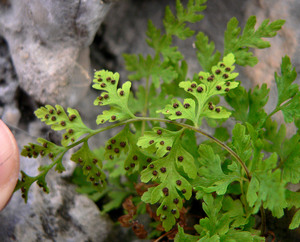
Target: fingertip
{"type": "Point", "coordinates": [9, 164]}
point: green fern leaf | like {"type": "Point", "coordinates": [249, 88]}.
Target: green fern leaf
{"type": "Point", "coordinates": [205, 51]}
{"type": "Point", "coordinates": [91, 166]}
{"type": "Point", "coordinates": [59, 120]}
{"type": "Point", "coordinates": [250, 38]}
{"type": "Point", "coordinates": [210, 85]}
{"type": "Point", "coordinates": [117, 98]}
{"type": "Point", "coordinates": [167, 171]}
{"type": "Point", "coordinates": [212, 176]}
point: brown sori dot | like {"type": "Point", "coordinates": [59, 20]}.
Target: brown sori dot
{"type": "Point", "coordinates": [222, 65]}
{"type": "Point", "coordinates": [28, 149]}
{"type": "Point", "coordinates": [162, 142]}
{"type": "Point", "coordinates": [106, 96]}
{"type": "Point", "coordinates": [109, 147]}
{"type": "Point", "coordinates": [225, 76]}
{"type": "Point", "coordinates": [218, 72]}
{"type": "Point", "coordinates": [201, 77]}
{"type": "Point", "coordinates": [113, 82]}
{"type": "Point", "coordinates": [200, 89]}
{"type": "Point", "coordinates": [163, 169]}
{"type": "Point", "coordinates": [183, 191]}
{"type": "Point", "coordinates": [88, 167]}
{"type": "Point", "coordinates": [70, 131]}
{"type": "Point", "coordinates": [178, 182]}
{"type": "Point", "coordinates": [29, 155]}
{"type": "Point", "coordinates": [218, 88]}
{"type": "Point", "coordinates": [193, 85]}
{"type": "Point", "coordinates": [108, 79]}
{"type": "Point", "coordinates": [95, 161]}
{"type": "Point", "coordinates": [96, 183]}
{"type": "Point", "coordinates": [80, 160]}
{"type": "Point", "coordinates": [58, 112]}
{"type": "Point", "coordinates": [45, 146]}
{"type": "Point", "coordinates": [144, 167]}
{"type": "Point", "coordinates": [190, 90]}
{"type": "Point", "coordinates": [66, 137]}
{"type": "Point", "coordinates": [173, 211]}
{"type": "Point", "coordinates": [211, 107]}
{"type": "Point", "coordinates": [46, 116]}
{"type": "Point", "coordinates": [186, 105]}
{"type": "Point", "coordinates": [180, 158]}
{"type": "Point", "coordinates": [154, 173]}
{"type": "Point", "coordinates": [34, 153]}
{"type": "Point", "coordinates": [116, 150]}
{"type": "Point", "coordinates": [23, 189]}
{"type": "Point", "coordinates": [135, 157]}
{"type": "Point", "coordinates": [122, 144]}
{"type": "Point", "coordinates": [113, 141]}
{"type": "Point", "coordinates": [218, 110]}
{"type": "Point", "coordinates": [149, 160]}
{"type": "Point", "coordinates": [165, 190]}
{"type": "Point", "coordinates": [127, 168]}
{"type": "Point", "coordinates": [227, 69]}
{"type": "Point", "coordinates": [72, 139]}
{"type": "Point", "coordinates": [227, 89]}
{"type": "Point", "coordinates": [103, 85]}
{"type": "Point", "coordinates": [151, 166]}
{"type": "Point", "coordinates": [72, 117]}
{"type": "Point", "coordinates": [100, 98]}
{"type": "Point", "coordinates": [121, 93]}
{"type": "Point", "coordinates": [113, 117]}
{"type": "Point", "coordinates": [51, 155]}
{"type": "Point", "coordinates": [159, 132]}
{"type": "Point", "coordinates": [99, 79]}
{"type": "Point", "coordinates": [53, 118]}
{"type": "Point", "coordinates": [165, 207]}
{"type": "Point", "coordinates": [175, 105]}
{"type": "Point", "coordinates": [92, 178]}
{"type": "Point", "coordinates": [169, 148]}
{"type": "Point", "coordinates": [132, 165]}
{"type": "Point", "coordinates": [228, 84]}
{"type": "Point", "coordinates": [176, 200]}
{"type": "Point", "coordinates": [111, 157]}
{"type": "Point", "coordinates": [42, 153]}
{"type": "Point", "coordinates": [210, 79]}
{"type": "Point", "coordinates": [51, 111]}
{"type": "Point", "coordinates": [98, 174]}
{"type": "Point", "coordinates": [63, 123]}
{"type": "Point", "coordinates": [178, 113]}
{"type": "Point", "coordinates": [151, 142]}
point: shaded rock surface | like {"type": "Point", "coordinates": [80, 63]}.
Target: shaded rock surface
{"type": "Point", "coordinates": [51, 55]}
{"type": "Point", "coordinates": [48, 42]}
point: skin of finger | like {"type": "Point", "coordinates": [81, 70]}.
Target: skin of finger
{"type": "Point", "coordinates": [9, 164]}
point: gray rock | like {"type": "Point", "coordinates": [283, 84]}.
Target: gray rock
{"type": "Point", "coordinates": [48, 42]}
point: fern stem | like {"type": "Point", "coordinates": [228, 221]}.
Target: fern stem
{"type": "Point", "coordinates": [263, 220]}
{"type": "Point", "coordinates": [144, 114]}
{"type": "Point", "coordinates": [278, 108]}
{"type": "Point", "coordinates": [145, 119]}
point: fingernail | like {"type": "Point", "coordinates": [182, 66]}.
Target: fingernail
{"type": "Point", "coordinates": [9, 163]}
